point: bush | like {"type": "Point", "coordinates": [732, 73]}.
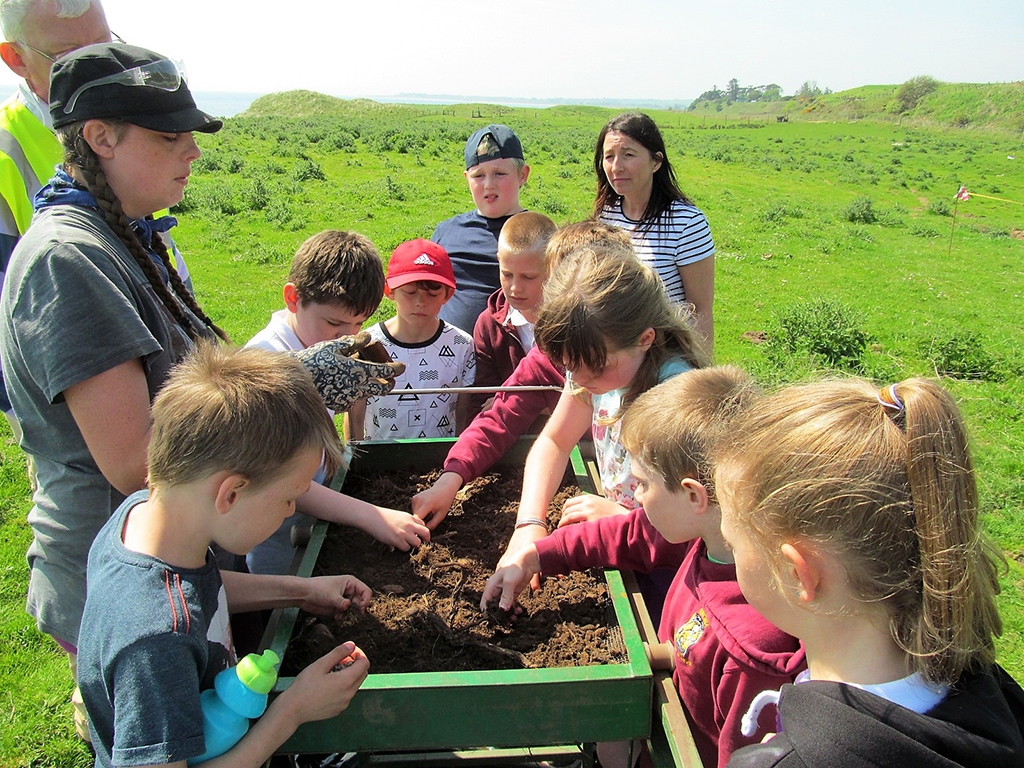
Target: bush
{"type": "Point", "coordinates": [308, 170]}
{"type": "Point", "coordinates": [940, 207]}
{"type": "Point", "coordinates": [257, 195]}
{"type": "Point", "coordinates": [394, 189]}
{"type": "Point", "coordinates": [235, 164]}
{"type": "Point", "coordinates": [207, 163]}
{"type": "Point", "coordinates": [861, 233]}
{"type": "Point", "coordinates": [917, 229]}
{"type": "Point", "coordinates": [890, 218]}
{"type": "Point", "coordinates": [912, 91]}
{"type": "Point", "coordinates": [962, 354]}
{"type": "Point", "coordinates": [262, 253]}
{"type": "Point", "coordinates": [825, 328]}
{"type": "Point", "coordinates": [860, 211]}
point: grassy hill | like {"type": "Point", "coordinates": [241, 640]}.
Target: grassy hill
{"type": "Point", "coordinates": [959, 105]}
{"type": "Point", "coordinates": [997, 106]}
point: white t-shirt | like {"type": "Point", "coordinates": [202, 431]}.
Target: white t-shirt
{"type": "Point", "coordinates": [445, 360]}
{"type": "Point", "coordinates": [679, 237]}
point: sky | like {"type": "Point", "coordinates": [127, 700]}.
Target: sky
{"type": "Point", "coordinates": [545, 49]}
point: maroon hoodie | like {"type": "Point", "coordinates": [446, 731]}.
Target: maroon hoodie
{"type": "Point", "coordinates": [494, 431]}
{"type": "Point", "coordinates": [725, 652]}
{"type": "Point", "coordinates": [498, 348]}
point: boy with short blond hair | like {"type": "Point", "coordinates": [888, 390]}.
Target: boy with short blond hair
{"type": "Point", "coordinates": [237, 436]}
{"type": "Point", "coordinates": [436, 355]}
{"type": "Point", "coordinates": [335, 283]}
{"type": "Point", "coordinates": [495, 171]}
{"type": "Point", "coordinates": [504, 331]}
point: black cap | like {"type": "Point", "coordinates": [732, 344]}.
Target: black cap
{"type": "Point", "coordinates": [505, 139]}
{"type": "Point", "coordinates": [148, 106]}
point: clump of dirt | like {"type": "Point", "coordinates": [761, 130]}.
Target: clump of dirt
{"type": "Point", "coordinates": [425, 615]}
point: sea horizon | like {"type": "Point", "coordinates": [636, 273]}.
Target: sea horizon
{"type": "Point", "coordinates": [229, 104]}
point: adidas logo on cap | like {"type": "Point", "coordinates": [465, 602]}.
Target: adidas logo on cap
{"type": "Point", "coordinates": [424, 259]}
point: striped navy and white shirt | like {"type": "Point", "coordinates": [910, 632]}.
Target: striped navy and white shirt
{"type": "Point", "coordinates": [680, 236]}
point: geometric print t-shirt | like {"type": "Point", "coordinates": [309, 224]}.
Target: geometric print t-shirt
{"type": "Point", "coordinates": [445, 360]}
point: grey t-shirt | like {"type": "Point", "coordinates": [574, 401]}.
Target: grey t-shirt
{"type": "Point", "coordinates": [153, 636]}
{"type": "Point", "coordinates": [74, 304]}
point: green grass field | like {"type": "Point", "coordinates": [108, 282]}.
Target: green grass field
{"type": "Point", "coordinates": [839, 231]}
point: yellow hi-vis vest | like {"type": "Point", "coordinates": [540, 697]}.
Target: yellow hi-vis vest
{"type": "Point", "coordinates": [28, 153]}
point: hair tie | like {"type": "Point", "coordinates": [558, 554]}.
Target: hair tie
{"type": "Point", "coordinates": [893, 400]}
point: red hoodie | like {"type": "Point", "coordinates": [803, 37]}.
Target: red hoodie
{"type": "Point", "coordinates": [725, 652]}
{"type": "Point", "coordinates": [498, 348]}
{"type": "Point", "coordinates": [494, 431]}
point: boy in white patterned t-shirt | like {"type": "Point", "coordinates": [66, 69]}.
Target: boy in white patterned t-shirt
{"type": "Point", "coordinates": [436, 355]}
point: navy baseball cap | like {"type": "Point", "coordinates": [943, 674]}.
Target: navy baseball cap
{"type": "Point", "coordinates": [506, 144]}
{"type": "Point", "coordinates": [115, 80]}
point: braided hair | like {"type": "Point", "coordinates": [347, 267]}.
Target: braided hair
{"type": "Point", "coordinates": [80, 156]}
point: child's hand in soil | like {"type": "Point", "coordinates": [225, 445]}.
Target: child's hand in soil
{"type": "Point", "coordinates": [325, 687]}
{"type": "Point", "coordinates": [588, 506]}
{"type": "Point", "coordinates": [432, 505]}
{"type": "Point", "coordinates": [397, 529]}
{"type": "Point", "coordinates": [514, 574]}
{"type": "Point", "coordinates": [333, 595]}
{"type": "Point", "coordinates": [522, 538]}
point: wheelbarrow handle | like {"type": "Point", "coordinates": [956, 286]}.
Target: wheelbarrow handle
{"type": "Point", "coordinates": [473, 390]}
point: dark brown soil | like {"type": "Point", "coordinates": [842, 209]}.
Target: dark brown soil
{"type": "Point", "coordinates": [425, 615]}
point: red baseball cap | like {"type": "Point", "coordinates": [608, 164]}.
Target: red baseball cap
{"type": "Point", "coordinates": [420, 260]}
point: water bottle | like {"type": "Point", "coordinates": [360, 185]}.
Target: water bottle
{"type": "Point", "coordinates": [239, 694]}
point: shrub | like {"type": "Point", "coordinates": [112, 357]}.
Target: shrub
{"type": "Point", "coordinates": [940, 207]}
{"type": "Point", "coordinates": [221, 198]}
{"type": "Point", "coordinates": [890, 218]}
{"type": "Point", "coordinates": [207, 163]}
{"type": "Point", "coordinates": [962, 354]}
{"type": "Point", "coordinates": [825, 328]}
{"type": "Point", "coordinates": [394, 189]}
{"type": "Point", "coordinates": [235, 164]}
{"type": "Point", "coordinates": [257, 195]}
{"type": "Point", "coordinates": [861, 233]}
{"type": "Point", "coordinates": [308, 170]}
{"type": "Point", "coordinates": [917, 229]}
{"type": "Point", "coordinates": [262, 253]}
{"type": "Point", "coordinates": [912, 91]}
{"type": "Point", "coordinates": [860, 211]}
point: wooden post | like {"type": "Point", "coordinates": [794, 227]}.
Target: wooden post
{"type": "Point", "coordinates": [952, 226]}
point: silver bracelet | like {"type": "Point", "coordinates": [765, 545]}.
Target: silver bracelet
{"type": "Point", "coordinates": [531, 521]}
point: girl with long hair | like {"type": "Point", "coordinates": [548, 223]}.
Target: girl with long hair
{"type": "Point", "coordinates": [852, 515]}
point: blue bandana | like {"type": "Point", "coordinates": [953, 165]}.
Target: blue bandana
{"type": "Point", "coordinates": [62, 189]}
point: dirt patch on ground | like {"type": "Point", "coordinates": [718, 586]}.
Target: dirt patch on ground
{"type": "Point", "coordinates": [1017, 234]}
{"type": "Point", "coordinates": [425, 615]}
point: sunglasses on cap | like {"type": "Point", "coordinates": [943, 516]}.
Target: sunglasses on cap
{"type": "Point", "coordinates": [164, 74]}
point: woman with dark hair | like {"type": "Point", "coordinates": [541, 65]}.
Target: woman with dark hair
{"type": "Point", "coordinates": [637, 191]}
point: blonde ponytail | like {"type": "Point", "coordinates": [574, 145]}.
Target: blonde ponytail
{"type": "Point", "coordinates": [884, 481]}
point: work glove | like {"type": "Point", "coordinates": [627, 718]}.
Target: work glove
{"type": "Point", "coordinates": [341, 374]}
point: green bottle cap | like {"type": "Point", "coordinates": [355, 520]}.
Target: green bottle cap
{"type": "Point", "coordinates": [259, 673]}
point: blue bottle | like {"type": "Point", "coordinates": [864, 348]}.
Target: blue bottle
{"type": "Point", "coordinates": [239, 693]}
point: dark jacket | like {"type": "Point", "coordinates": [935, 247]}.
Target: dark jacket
{"type": "Point", "coordinates": [826, 724]}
